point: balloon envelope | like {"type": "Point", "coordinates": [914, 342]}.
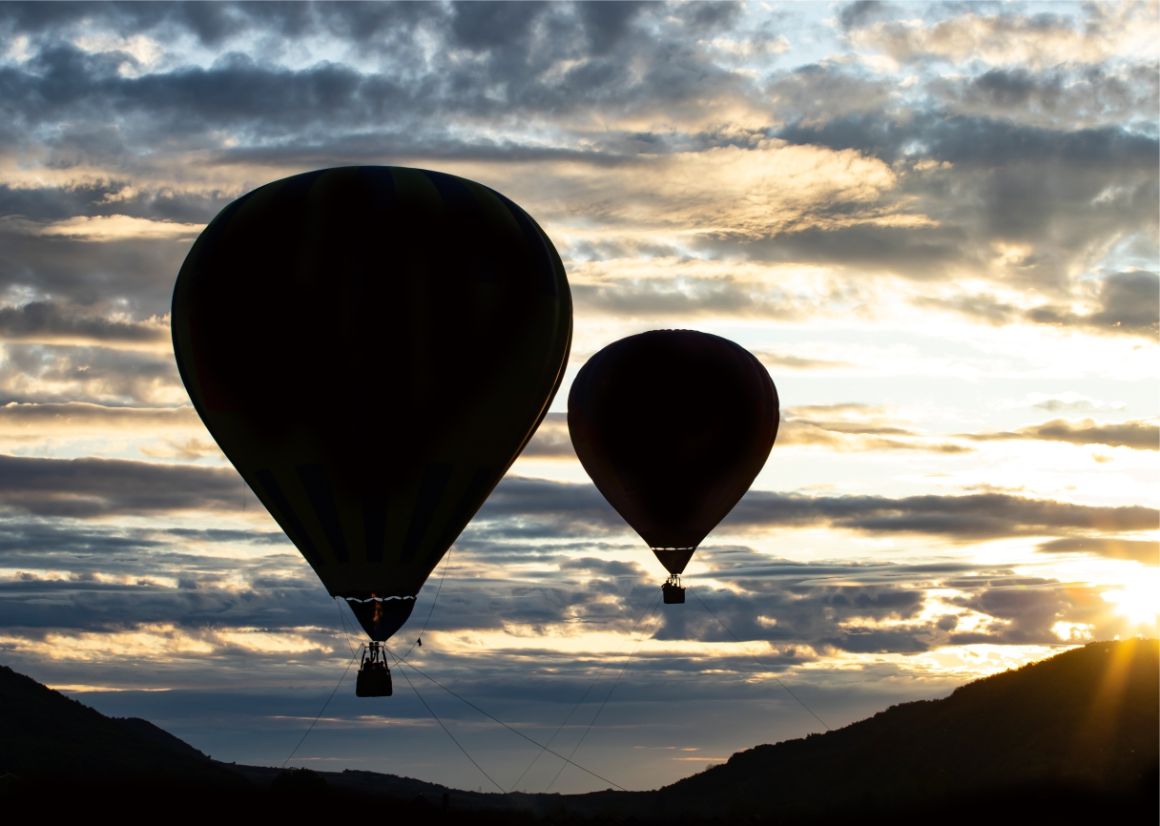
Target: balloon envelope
{"type": "Point", "coordinates": [372, 347]}
{"type": "Point", "coordinates": [673, 426]}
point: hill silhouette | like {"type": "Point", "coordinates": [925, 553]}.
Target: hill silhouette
{"type": "Point", "coordinates": [1081, 725]}
{"type": "Point", "coordinates": [45, 735]}
{"type": "Point", "coordinates": [1072, 739]}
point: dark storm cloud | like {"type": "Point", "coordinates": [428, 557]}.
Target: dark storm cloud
{"type": "Point", "coordinates": [40, 320]}
{"type": "Point", "coordinates": [1136, 435]}
{"type": "Point", "coordinates": [1138, 550]}
{"type": "Point", "coordinates": [93, 488]}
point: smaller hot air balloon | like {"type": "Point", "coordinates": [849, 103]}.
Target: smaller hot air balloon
{"type": "Point", "coordinates": [673, 426]}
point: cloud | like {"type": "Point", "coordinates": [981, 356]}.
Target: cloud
{"type": "Point", "coordinates": [789, 361]}
{"type": "Point", "coordinates": [551, 440]}
{"type": "Point", "coordinates": [814, 93]}
{"type": "Point", "coordinates": [528, 508]}
{"type": "Point", "coordinates": [51, 322]}
{"type": "Point", "coordinates": [1027, 207]}
{"type": "Point", "coordinates": [60, 374]}
{"type": "Point", "coordinates": [1065, 97]}
{"type": "Point", "coordinates": [1006, 37]}
{"type": "Point", "coordinates": [688, 296]}
{"type": "Point", "coordinates": [863, 12]}
{"type": "Point", "coordinates": [854, 427]}
{"type": "Point", "coordinates": [24, 423]}
{"type": "Point", "coordinates": [1136, 435]}
{"type": "Point", "coordinates": [521, 509]}
{"type": "Point", "coordinates": [1139, 550]}
{"type": "Point", "coordinates": [102, 488]}
{"type": "Point", "coordinates": [1129, 301]}
{"type": "Point", "coordinates": [104, 228]}
{"type": "Point", "coordinates": [1126, 303]}
{"type": "Point", "coordinates": [70, 272]}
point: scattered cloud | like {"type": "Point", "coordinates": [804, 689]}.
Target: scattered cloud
{"type": "Point", "coordinates": [1136, 435]}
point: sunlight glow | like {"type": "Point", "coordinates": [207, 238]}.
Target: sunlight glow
{"type": "Point", "coordinates": [1138, 601]}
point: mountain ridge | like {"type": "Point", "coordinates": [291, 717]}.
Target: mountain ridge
{"type": "Point", "coordinates": [1074, 735]}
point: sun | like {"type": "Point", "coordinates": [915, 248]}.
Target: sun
{"type": "Point", "coordinates": [1137, 601]}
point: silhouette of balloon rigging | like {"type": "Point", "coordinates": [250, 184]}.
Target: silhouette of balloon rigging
{"type": "Point", "coordinates": [673, 426]}
{"type": "Point", "coordinates": [372, 347]}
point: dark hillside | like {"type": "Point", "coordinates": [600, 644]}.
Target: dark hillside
{"type": "Point", "coordinates": [1070, 740]}
{"type": "Point", "coordinates": [1085, 721]}
{"type": "Point", "coordinates": [44, 734]}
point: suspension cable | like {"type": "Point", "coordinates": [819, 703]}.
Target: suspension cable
{"type": "Point", "coordinates": [345, 629]}
{"type": "Point", "coordinates": [556, 733]}
{"type": "Point", "coordinates": [321, 711]}
{"type": "Point", "coordinates": [607, 696]}
{"type": "Point", "coordinates": [431, 610]}
{"type": "Point", "coordinates": [514, 731]}
{"type": "Point", "coordinates": [592, 685]}
{"type": "Point", "coordinates": [431, 711]}
{"type": "Point", "coordinates": [776, 679]}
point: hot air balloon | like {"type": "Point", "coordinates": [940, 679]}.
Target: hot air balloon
{"type": "Point", "coordinates": [372, 347]}
{"type": "Point", "coordinates": [673, 426]}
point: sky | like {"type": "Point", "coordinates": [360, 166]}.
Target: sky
{"type": "Point", "coordinates": [935, 224]}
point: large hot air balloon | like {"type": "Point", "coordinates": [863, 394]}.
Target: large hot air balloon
{"type": "Point", "coordinates": [372, 347]}
{"type": "Point", "coordinates": [673, 426]}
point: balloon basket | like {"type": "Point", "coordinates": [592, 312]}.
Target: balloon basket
{"type": "Point", "coordinates": [374, 678]}
{"type": "Point", "coordinates": [673, 592]}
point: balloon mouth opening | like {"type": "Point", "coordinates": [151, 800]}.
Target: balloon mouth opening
{"type": "Point", "coordinates": [674, 558]}
{"type": "Point", "coordinates": [379, 616]}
